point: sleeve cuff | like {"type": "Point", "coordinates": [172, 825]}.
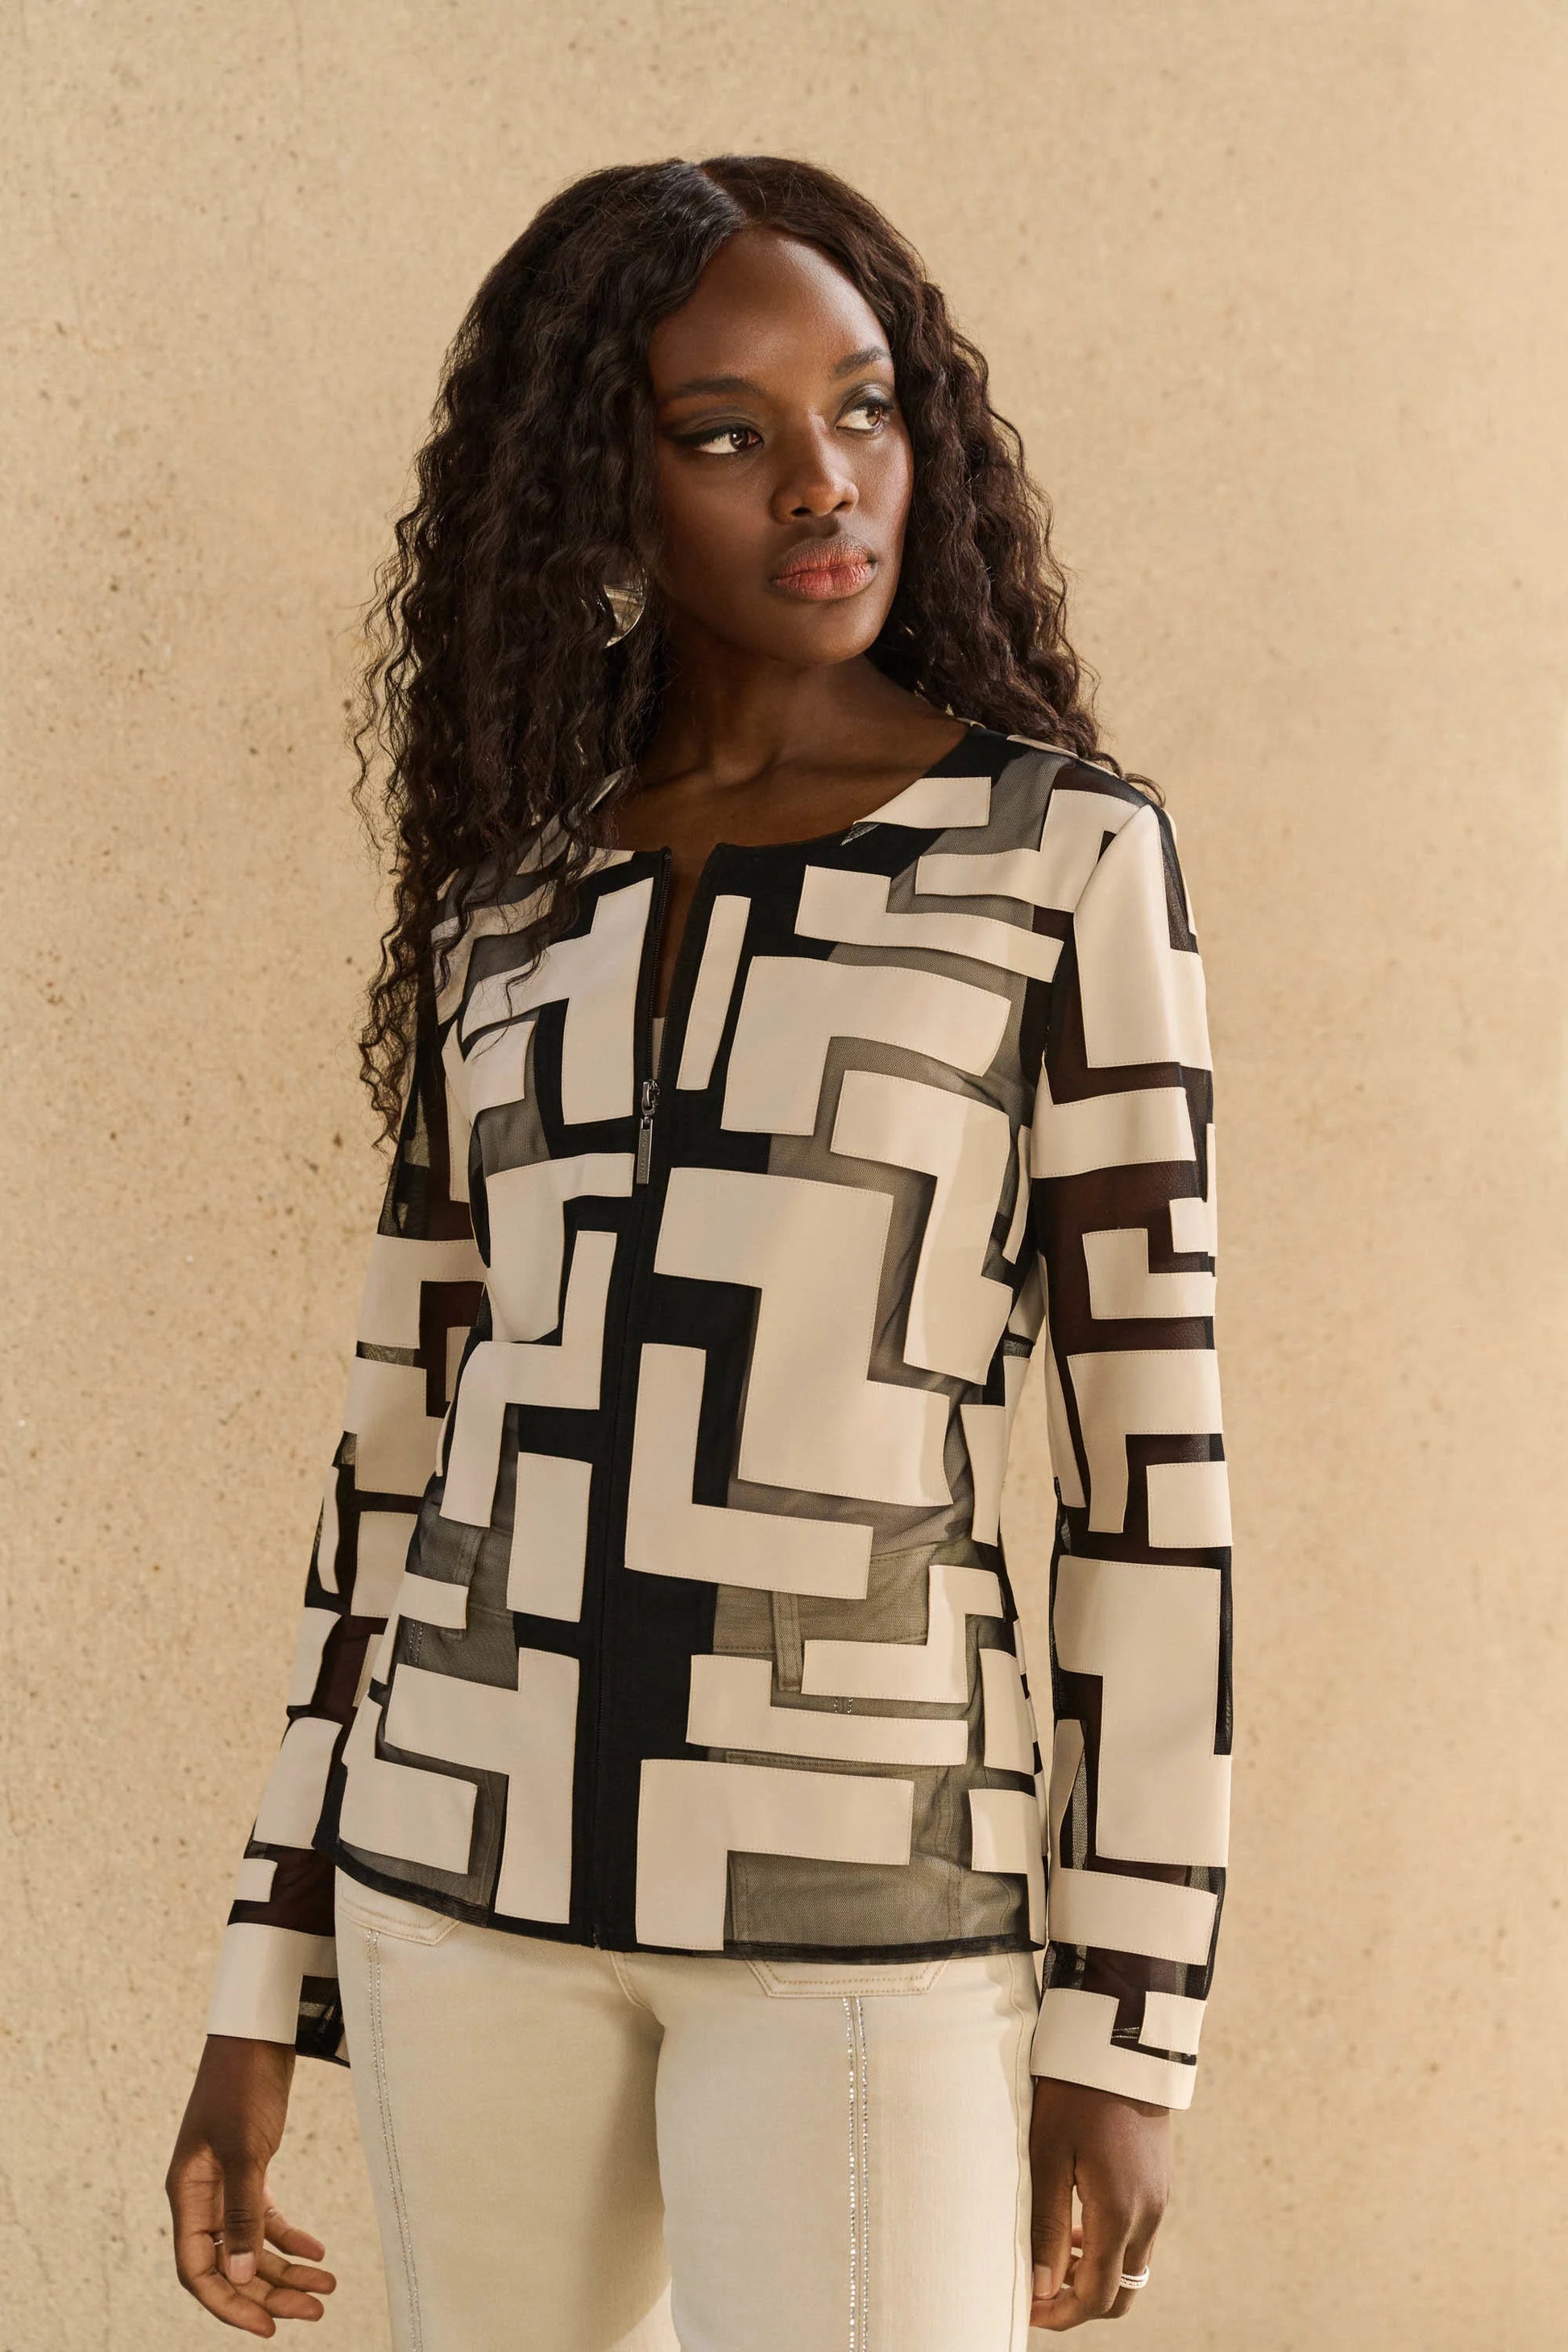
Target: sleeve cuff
{"type": "Point", "coordinates": [1072, 2044]}
{"type": "Point", "coordinates": [261, 1972]}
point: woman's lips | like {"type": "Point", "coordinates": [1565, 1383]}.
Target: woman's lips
{"type": "Point", "coordinates": [821, 582]}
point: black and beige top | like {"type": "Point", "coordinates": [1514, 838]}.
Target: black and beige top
{"type": "Point", "coordinates": [658, 1598]}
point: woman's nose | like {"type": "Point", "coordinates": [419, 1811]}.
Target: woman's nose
{"type": "Point", "coordinates": [814, 480]}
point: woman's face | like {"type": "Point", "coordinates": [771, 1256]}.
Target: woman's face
{"type": "Point", "coordinates": [780, 443]}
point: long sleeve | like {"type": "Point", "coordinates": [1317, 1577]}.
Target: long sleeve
{"type": "Point", "coordinates": [276, 1978]}
{"type": "Point", "coordinates": [1122, 1208]}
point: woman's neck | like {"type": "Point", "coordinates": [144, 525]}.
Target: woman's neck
{"type": "Point", "coordinates": [741, 723]}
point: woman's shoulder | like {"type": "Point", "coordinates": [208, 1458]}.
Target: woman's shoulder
{"type": "Point", "coordinates": [1043, 791]}
{"type": "Point", "coordinates": [1053, 768]}
{"type": "Point", "coordinates": [1053, 814]}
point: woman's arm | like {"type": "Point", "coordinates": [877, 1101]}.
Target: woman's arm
{"type": "Point", "coordinates": [1122, 1214]}
{"type": "Point", "coordinates": [276, 1987]}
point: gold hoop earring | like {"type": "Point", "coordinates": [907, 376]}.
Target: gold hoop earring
{"type": "Point", "coordinates": [628, 602]}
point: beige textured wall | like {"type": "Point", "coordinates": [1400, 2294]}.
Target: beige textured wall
{"type": "Point", "coordinates": [1276, 292]}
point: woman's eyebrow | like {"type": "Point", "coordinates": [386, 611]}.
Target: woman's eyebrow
{"type": "Point", "coordinates": [847, 366]}
{"type": "Point", "coordinates": [712, 384]}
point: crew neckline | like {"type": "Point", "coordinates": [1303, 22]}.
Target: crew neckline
{"type": "Point", "coordinates": [939, 767]}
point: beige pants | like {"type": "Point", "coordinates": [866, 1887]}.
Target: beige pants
{"type": "Point", "coordinates": [574, 2150]}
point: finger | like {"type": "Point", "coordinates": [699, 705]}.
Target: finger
{"type": "Point", "coordinates": [1052, 2232]}
{"type": "Point", "coordinates": [274, 2272]}
{"type": "Point", "coordinates": [1107, 2231]}
{"type": "Point", "coordinates": [234, 2305]}
{"type": "Point", "coordinates": [195, 2198]}
{"type": "Point", "coordinates": [284, 2300]}
{"type": "Point", "coordinates": [1137, 2255]}
{"type": "Point", "coordinates": [283, 2272]}
{"type": "Point", "coordinates": [195, 2206]}
{"type": "Point", "coordinates": [243, 2198]}
{"type": "Point", "coordinates": [278, 2298]}
{"type": "Point", "coordinates": [287, 2235]}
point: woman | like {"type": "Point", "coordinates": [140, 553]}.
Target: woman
{"type": "Point", "coordinates": [787, 1020]}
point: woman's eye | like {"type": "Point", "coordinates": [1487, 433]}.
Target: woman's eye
{"type": "Point", "coordinates": [876, 409]}
{"type": "Point", "coordinates": [722, 433]}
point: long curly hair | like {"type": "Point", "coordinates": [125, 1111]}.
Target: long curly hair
{"type": "Point", "coordinates": [489, 703]}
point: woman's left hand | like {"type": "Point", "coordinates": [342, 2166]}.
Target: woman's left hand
{"type": "Point", "coordinates": [1117, 2153]}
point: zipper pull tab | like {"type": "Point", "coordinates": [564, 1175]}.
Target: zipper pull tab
{"type": "Point", "coordinates": [644, 1128]}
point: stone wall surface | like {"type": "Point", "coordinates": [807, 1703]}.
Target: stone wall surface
{"type": "Point", "coordinates": [1276, 294]}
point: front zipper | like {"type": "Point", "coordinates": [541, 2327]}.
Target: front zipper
{"type": "Point", "coordinates": [624, 1373]}
{"type": "Point", "coordinates": [644, 1130]}
{"type": "Point", "coordinates": [641, 1232]}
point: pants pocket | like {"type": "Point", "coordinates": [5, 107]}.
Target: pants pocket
{"type": "Point", "coordinates": [379, 1914]}
{"type": "Point", "coordinates": [831, 1980]}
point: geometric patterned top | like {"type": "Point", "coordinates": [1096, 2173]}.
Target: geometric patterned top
{"type": "Point", "coordinates": [657, 1598]}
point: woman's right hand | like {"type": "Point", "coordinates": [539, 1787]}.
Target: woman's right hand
{"type": "Point", "coordinates": [217, 2191]}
